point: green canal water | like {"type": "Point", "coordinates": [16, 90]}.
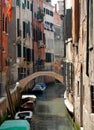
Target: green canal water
{"type": "Point", "coordinates": [50, 113]}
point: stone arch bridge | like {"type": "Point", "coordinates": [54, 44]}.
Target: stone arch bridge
{"type": "Point", "coordinates": [25, 81]}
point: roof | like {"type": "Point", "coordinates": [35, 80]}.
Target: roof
{"type": "Point", "coordinates": [15, 125]}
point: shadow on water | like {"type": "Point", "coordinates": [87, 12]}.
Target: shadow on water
{"type": "Point", "coordinates": [58, 92]}
{"type": "Point", "coordinates": [49, 95]}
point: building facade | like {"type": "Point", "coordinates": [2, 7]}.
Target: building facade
{"type": "Point", "coordinates": [3, 43]}
{"type": "Point", "coordinates": [38, 35]}
{"type": "Point", "coordinates": [67, 38]}
{"type": "Point", "coordinates": [58, 45]}
{"type": "Point", "coordinates": [82, 38]}
{"type": "Point", "coordinates": [58, 39]}
{"type": "Point", "coordinates": [20, 39]}
{"type": "Point", "coordinates": [49, 34]}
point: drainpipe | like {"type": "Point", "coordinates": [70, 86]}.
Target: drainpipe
{"type": "Point", "coordinates": [87, 51]}
{"type": "Point", "coordinates": [32, 37]}
{"type": "Point", "coordinates": [81, 97]}
{"type": "Point", "coordinates": [64, 32]}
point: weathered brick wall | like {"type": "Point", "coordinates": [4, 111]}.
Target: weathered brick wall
{"type": "Point", "coordinates": [82, 97]}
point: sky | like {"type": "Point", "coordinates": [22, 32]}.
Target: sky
{"type": "Point", "coordinates": [68, 3]}
{"type": "Point", "coordinates": [54, 2]}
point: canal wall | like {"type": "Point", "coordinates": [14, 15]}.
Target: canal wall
{"type": "Point", "coordinates": [15, 96]}
{"type": "Point", "coordinates": [4, 104]}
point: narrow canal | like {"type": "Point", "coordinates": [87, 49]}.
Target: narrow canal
{"type": "Point", "coordinates": [50, 113]}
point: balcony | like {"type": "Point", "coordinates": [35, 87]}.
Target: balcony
{"type": "Point", "coordinates": [41, 44]}
{"type": "Point", "coordinates": [40, 15]}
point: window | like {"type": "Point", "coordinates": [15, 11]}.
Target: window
{"type": "Point", "coordinates": [27, 4]}
{"type": "Point", "coordinates": [92, 98]}
{"type": "Point", "coordinates": [39, 34]}
{"type": "Point", "coordinates": [23, 6]}
{"type": "Point", "coordinates": [28, 54]}
{"type": "Point", "coordinates": [34, 34]}
{"type": "Point", "coordinates": [25, 52]}
{"type": "Point", "coordinates": [24, 29]}
{"type": "Point", "coordinates": [19, 50]}
{"type": "Point", "coordinates": [18, 25]}
{"type": "Point", "coordinates": [3, 22]}
{"type": "Point", "coordinates": [48, 57]}
{"type": "Point", "coordinates": [51, 13]}
{"type": "Point", "coordinates": [18, 3]}
{"type": "Point", "coordinates": [18, 28]}
{"type": "Point", "coordinates": [6, 25]}
{"type": "Point", "coordinates": [28, 28]}
{"type": "Point", "coordinates": [31, 7]}
{"type": "Point", "coordinates": [44, 10]}
{"type": "Point", "coordinates": [35, 15]}
{"type": "Point", "coordinates": [77, 49]}
{"type": "Point", "coordinates": [47, 11]}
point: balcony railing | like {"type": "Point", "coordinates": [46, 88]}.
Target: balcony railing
{"type": "Point", "coordinates": [40, 15]}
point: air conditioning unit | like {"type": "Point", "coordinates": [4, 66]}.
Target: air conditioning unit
{"type": "Point", "coordinates": [40, 44]}
{"type": "Point", "coordinates": [18, 60]}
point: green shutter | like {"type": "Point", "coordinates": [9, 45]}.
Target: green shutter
{"type": "Point", "coordinates": [18, 3]}
{"type": "Point", "coordinates": [23, 6]}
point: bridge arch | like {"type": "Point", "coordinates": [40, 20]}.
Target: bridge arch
{"type": "Point", "coordinates": [25, 81]}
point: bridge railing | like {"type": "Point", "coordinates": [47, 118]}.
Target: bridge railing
{"type": "Point", "coordinates": [48, 68]}
{"type": "Point", "coordinates": [43, 68]}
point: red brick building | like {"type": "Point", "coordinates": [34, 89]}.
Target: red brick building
{"type": "Point", "coordinates": [3, 39]}
{"type": "Point", "coordinates": [38, 32]}
{"type": "Point", "coordinates": [5, 17]}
